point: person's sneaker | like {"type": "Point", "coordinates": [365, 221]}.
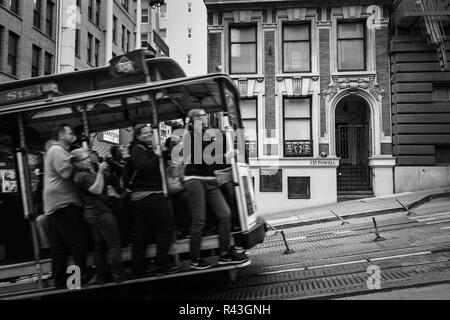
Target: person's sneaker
{"type": "Point", "coordinates": [233, 257]}
{"type": "Point", "coordinates": [199, 264]}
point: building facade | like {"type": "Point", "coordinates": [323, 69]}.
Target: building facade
{"type": "Point", "coordinates": [314, 84]}
{"type": "Point", "coordinates": [92, 32]}
{"type": "Point", "coordinates": [28, 38]}
{"type": "Point", "coordinates": [183, 26]}
{"type": "Point", "coordinates": [420, 94]}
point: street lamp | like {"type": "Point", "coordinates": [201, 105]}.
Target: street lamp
{"type": "Point", "coordinates": [156, 3]}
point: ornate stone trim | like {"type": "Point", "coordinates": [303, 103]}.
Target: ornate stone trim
{"type": "Point", "coordinates": [353, 84]}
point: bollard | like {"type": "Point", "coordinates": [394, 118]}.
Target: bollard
{"type": "Point", "coordinates": [288, 250]}
{"type": "Point", "coordinates": [343, 221]}
{"type": "Point", "coordinates": [378, 237]}
{"type": "Point", "coordinates": [406, 208]}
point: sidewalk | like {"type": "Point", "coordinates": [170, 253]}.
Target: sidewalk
{"type": "Point", "coordinates": [354, 208]}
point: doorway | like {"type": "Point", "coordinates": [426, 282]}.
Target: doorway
{"type": "Point", "coordinates": [353, 144]}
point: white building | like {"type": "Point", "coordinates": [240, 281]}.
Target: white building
{"type": "Point", "coordinates": [183, 26]}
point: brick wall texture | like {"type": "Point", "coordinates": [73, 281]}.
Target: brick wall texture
{"type": "Point", "coordinates": [324, 54]}
{"type": "Point", "coordinates": [382, 67]}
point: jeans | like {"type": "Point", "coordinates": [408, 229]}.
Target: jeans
{"type": "Point", "coordinates": [152, 218]}
{"type": "Point", "coordinates": [199, 194]}
{"type": "Point", "coordinates": [69, 233]}
{"type": "Point", "coordinates": [105, 233]}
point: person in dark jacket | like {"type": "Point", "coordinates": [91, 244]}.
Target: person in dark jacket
{"type": "Point", "coordinates": [202, 189]}
{"type": "Point", "coordinates": [151, 207]}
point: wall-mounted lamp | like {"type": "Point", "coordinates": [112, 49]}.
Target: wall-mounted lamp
{"type": "Point", "coordinates": [324, 154]}
{"type": "Point", "coordinates": [156, 3]}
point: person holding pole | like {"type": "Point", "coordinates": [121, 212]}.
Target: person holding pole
{"type": "Point", "coordinates": [152, 210]}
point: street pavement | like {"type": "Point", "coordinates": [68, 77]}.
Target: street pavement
{"type": "Point", "coordinates": [355, 208]}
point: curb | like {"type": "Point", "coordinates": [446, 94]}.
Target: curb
{"type": "Point", "coordinates": [416, 203]}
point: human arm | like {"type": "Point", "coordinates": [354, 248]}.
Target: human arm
{"type": "Point", "coordinates": [62, 163]}
{"type": "Point", "coordinates": [99, 183]}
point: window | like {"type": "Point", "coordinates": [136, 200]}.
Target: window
{"type": "Point", "coordinates": [124, 31]}
{"type": "Point", "coordinates": [115, 29]}
{"type": "Point", "coordinates": [11, 5]}
{"type": "Point", "coordinates": [441, 93]}
{"type": "Point", "coordinates": [37, 14]}
{"type": "Point", "coordinates": [77, 42]}
{"type": "Point", "coordinates": [79, 4]}
{"type": "Point", "coordinates": [145, 16]}
{"type": "Point", "coordinates": [249, 114]}
{"type": "Point", "coordinates": [13, 51]}
{"type": "Point", "coordinates": [243, 50]}
{"type": "Point", "coordinates": [89, 48]}
{"type": "Point", "coordinates": [144, 40]}
{"type": "Point", "coordinates": [163, 11]}
{"type": "Point", "coordinates": [96, 52]}
{"type": "Point", "coordinates": [271, 180]}
{"type": "Point", "coordinates": [189, 7]}
{"type": "Point", "coordinates": [90, 9]}
{"type": "Point", "coordinates": [299, 188]}
{"type": "Point", "coordinates": [163, 33]}
{"type": "Point", "coordinates": [296, 48]}
{"type": "Point", "coordinates": [48, 64]}
{"type": "Point", "coordinates": [189, 33]}
{"type": "Point", "coordinates": [2, 45]}
{"type": "Point", "coordinates": [35, 60]}
{"type": "Point", "coordinates": [97, 12]}
{"type": "Point", "coordinates": [297, 127]}
{"type": "Point", "coordinates": [351, 48]}
{"type": "Point", "coordinates": [189, 59]}
{"type": "Point", "coordinates": [128, 40]}
{"type": "Point", "coordinates": [49, 18]}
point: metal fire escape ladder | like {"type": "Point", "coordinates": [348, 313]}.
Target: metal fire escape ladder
{"type": "Point", "coordinates": [433, 30]}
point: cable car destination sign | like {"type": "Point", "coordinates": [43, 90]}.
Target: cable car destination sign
{"type": "Point", "coordinates": [26, 93]}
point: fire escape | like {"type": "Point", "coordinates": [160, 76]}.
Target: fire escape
{"type": "Point", "coordinates": [432, 29]}
{"type": "Point", "coordinates": [431, 15]}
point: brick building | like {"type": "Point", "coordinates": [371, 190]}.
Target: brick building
{"type": "Point", "coordinates": [28, 37]}
{"type": "Point", "coordinates": [420, 94]}
{"type": "Point", "coordinates": [314, 82]}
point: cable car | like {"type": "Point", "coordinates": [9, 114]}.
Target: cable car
{"type": "Point", "coordinates": [100, 100]}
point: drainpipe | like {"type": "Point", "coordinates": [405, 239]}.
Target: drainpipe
{"type": "Point", "coordinates": [138, 24]}
{"type": "Point", "coordinates": [109, 31]}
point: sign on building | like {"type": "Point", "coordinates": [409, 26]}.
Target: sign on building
{"type": "Point", "coordinates": [165, 132]}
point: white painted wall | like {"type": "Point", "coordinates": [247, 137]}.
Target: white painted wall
{"type": "Point", "coordinates": [177, 22]}
{"type": "Point", "coordinates": [323, 190]}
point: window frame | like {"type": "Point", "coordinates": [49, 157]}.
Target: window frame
{"type": "Point", "coordinates": [189, 7]}
{"type": "Point", "coordinates": [90, 48]}
{"type": "Point", "coordinates": [280, 190]}
{"type": "Point", "coordinates": [49, 21]}
{"type": "Point", "coordinates": [145, 15]}
{"type": "Point", "coordinates": [123, 45]}
{"type": "Point", "coordinates": [35, 68]}
{"type": "Point", "coordinates": [96, 52]}
{"type": "Point", "coordinates": [364, 44]}
{"type": "Point", "coordinates": [98, 4]}
{"type": "Point", "coordinates": [77, 42]}
{"type": "Point", "coordinates": [37, 14]}
{"type": "Point", "coordinates": [230, 43]}
{"type": "Point", "coordinates": [257, 123]}
{"type": "Point", "coordinates": [307, 196]}
{"type": "Point", "coordinates": [91, 10]}
{"type": "Point", "coordinates": [283, 41]}
{"type": "Point", "coordinates": [46, 65]}
{"type": "Point", "coordinates": [115, 21]}
{"type": "Point", "coordinates": [166, 13]}
{"type": "Point", "coordinates": [15, 67]}
{"type": "Point", "coordinates": [296, 118]}
{"type": "Point", "coordinates": [14, 7]}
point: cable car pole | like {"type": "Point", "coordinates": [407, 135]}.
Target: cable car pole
{"type": "Point", "coordinates": [25, 186]}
